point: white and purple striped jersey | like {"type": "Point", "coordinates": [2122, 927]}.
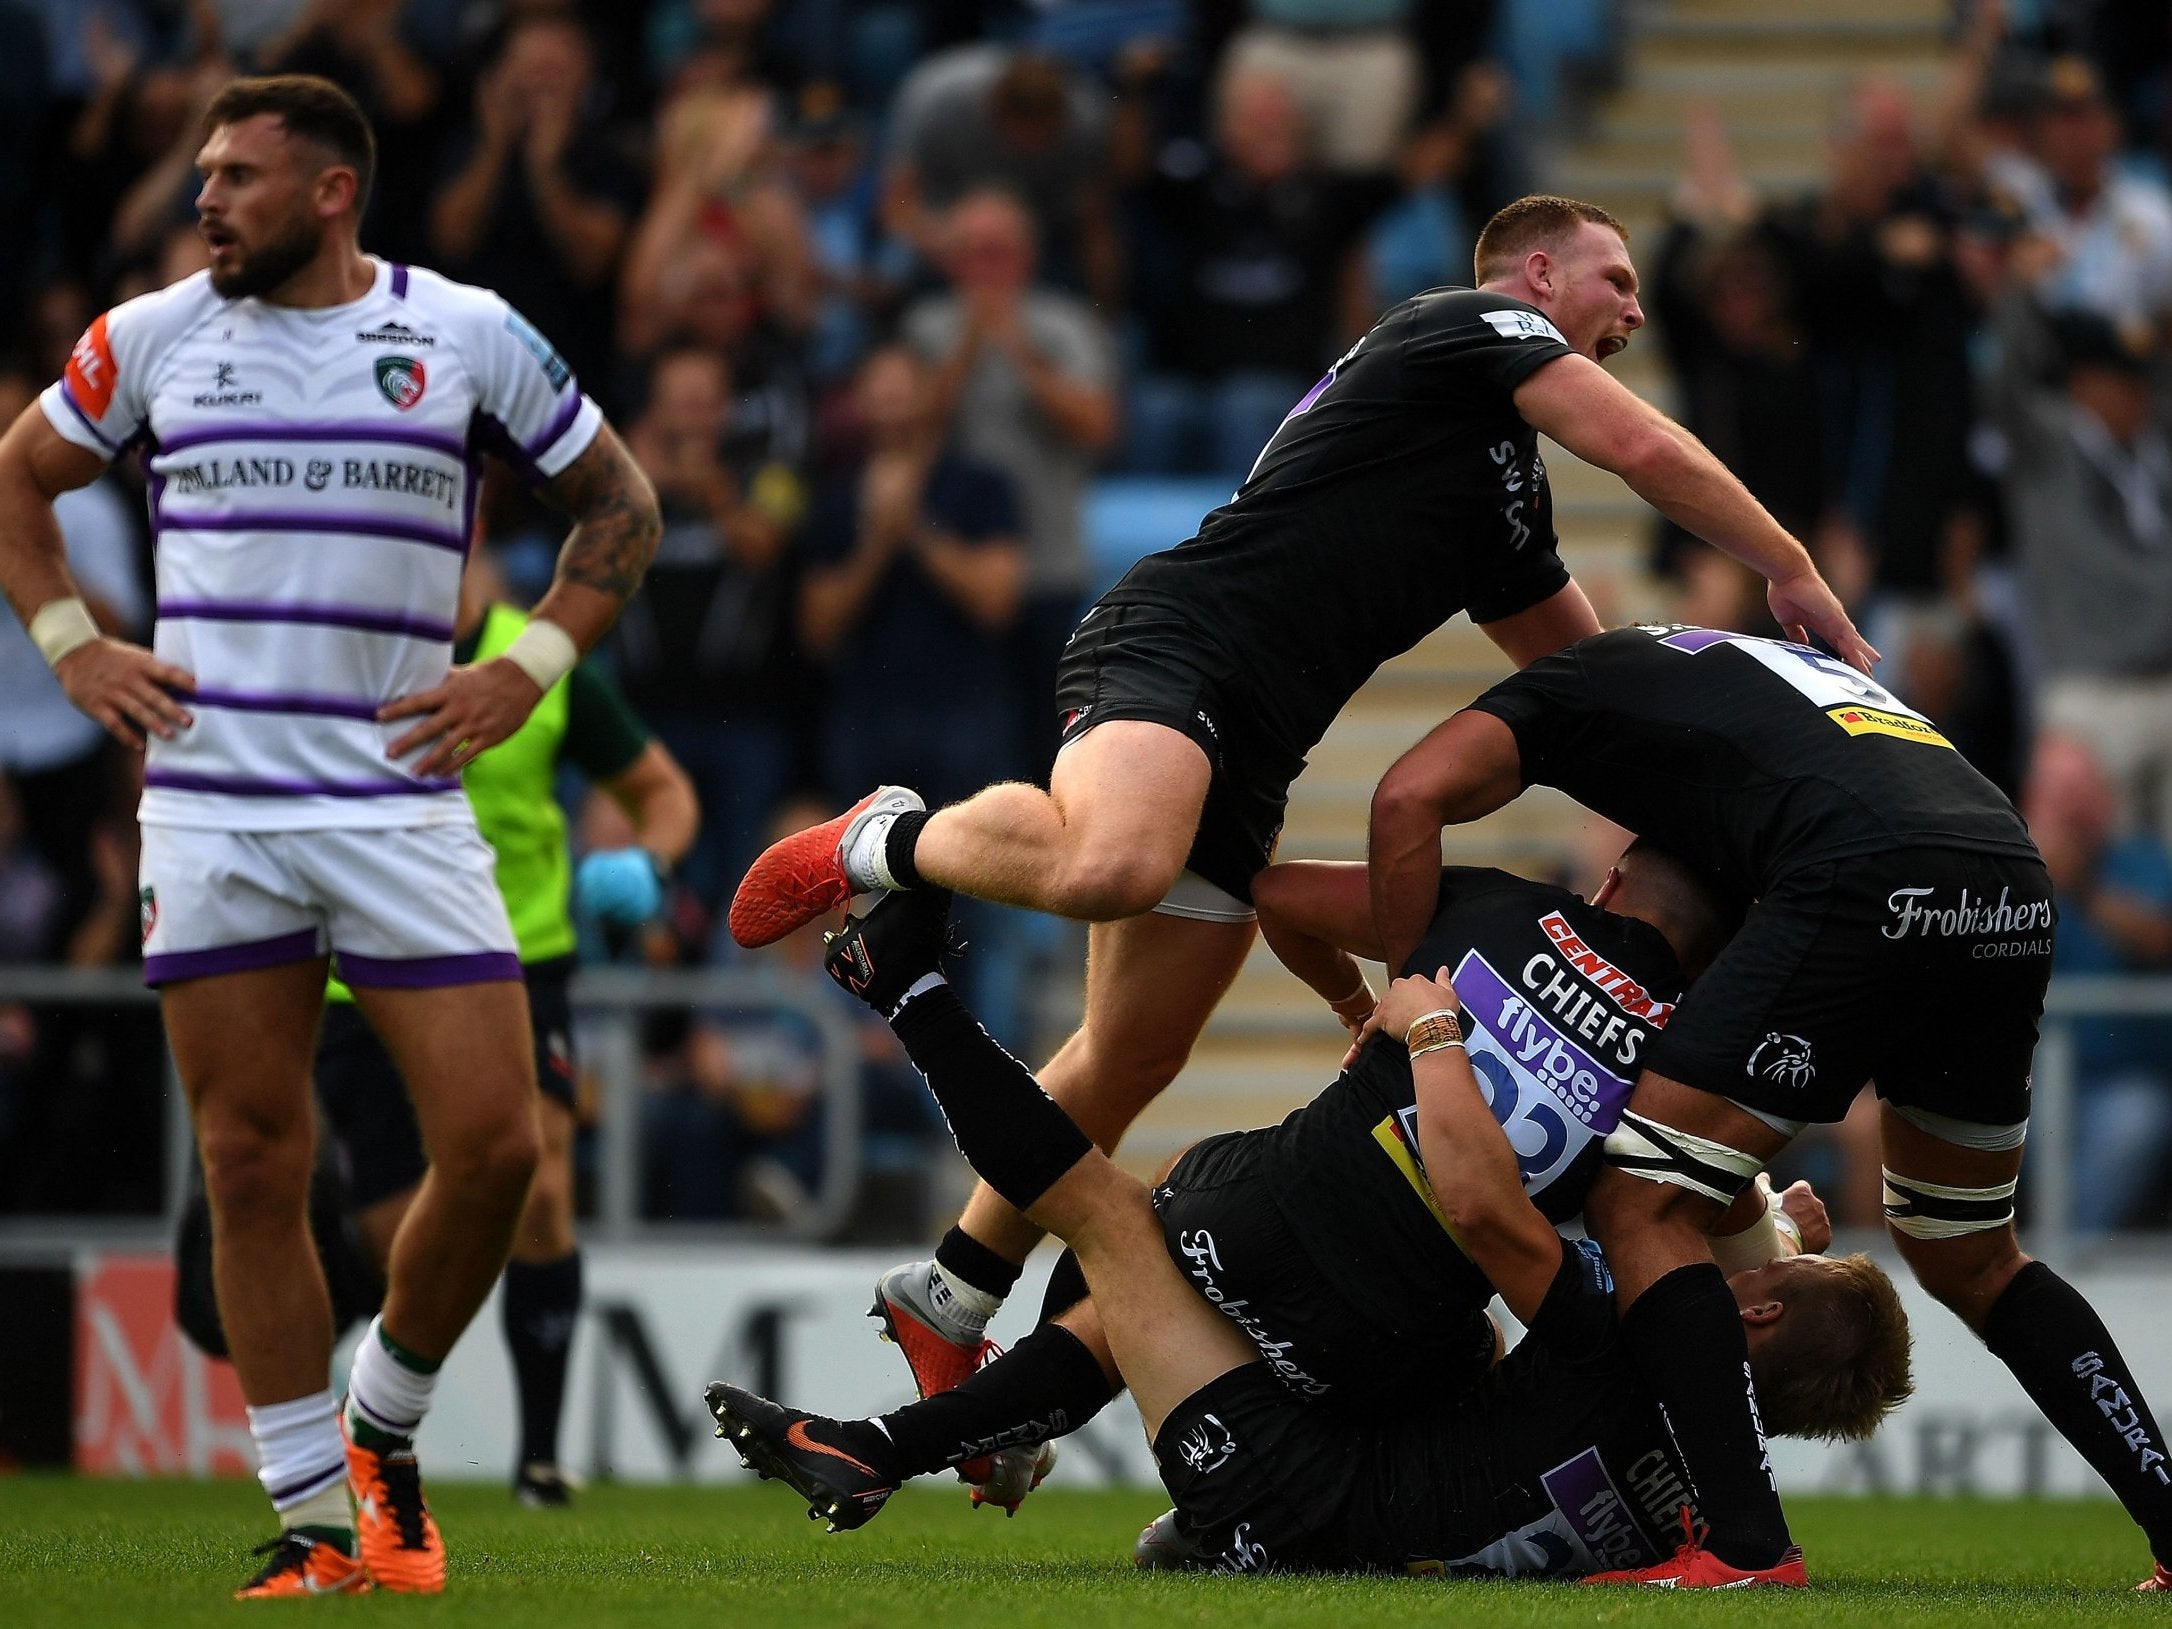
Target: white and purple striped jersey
{"type": "Point", "coordinates": [313, 479]}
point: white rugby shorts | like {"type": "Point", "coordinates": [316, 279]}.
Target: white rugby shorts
{"type": "Point", "coordinates": [402, 908]}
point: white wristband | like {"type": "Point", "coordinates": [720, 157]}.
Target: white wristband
{"type": "Point", "coordinates": [544, 651]}
{"type": "Point", "coordinates": [61, 626]}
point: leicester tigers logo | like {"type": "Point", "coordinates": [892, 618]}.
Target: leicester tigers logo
{"type": "Point", "coordinates": [402, 379]}
{"type": "Point", "coordinates": [1784, 1060]}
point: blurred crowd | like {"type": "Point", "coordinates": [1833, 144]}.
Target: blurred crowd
{"type": "Point", "coordinates": [878, 290]}
{"type": "Point", "coordinates": [875, 289]}
{"type": "Point", "coordinates": [1946, 369]}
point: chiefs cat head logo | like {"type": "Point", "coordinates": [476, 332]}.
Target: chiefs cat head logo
{"type": "Point", "coordinates": [1784, 1060]}
{"type": "Point", "coordinates": [1207, 1446]}
{"type": "Point", "coordinates": [402, 379]}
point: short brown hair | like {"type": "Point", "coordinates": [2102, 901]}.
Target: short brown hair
{"type": "Point", "coordinates": [1837, 1365]}
{"type": "Point", "coordinates": [311, 108]}
{"type": "Point", "coordinates": [1533, 223]}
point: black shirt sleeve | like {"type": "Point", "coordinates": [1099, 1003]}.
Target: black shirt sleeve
{"type": "Point", "coordinates": [1529, 576]}
{"type": "Point", "coordinates": [603, 738]}
{"type": "Point", "coordinates": [1538, 706]}
{"type": "Point", "coordinates": [1464, 336]}
{"type": "Point", "coordinates": [1576, 1321]}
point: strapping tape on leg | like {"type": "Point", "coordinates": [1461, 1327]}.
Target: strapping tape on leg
{"type": "Point", "coordinates": [1931, 1210]}
{"type": "Point", "coordinates": [1645, 1148]}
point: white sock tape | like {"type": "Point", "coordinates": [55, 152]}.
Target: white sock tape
{"type": "Point", "coordinates": [544, 651]}
{"type": "Point", "coordinates": [60, 626]}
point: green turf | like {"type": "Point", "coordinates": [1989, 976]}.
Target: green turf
{"type": "Point", "coordinates": [158, 1555]}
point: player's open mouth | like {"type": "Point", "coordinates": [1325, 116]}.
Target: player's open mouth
{"type": "Point", "coordinates": [1610, 345]}
{"type": "Point", "coordinates": [217, 239]}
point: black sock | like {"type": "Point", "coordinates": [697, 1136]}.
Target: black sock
{"type": "Point", "coordinates": [969, 1261]}
{"type": "Point", "coordinates": [2066, 1360]}
{"type": "Point", "coordinates": [1685, 1333]}
{"type": "Point", "coordinates": [1048, 1385]}
{"type": "Point", "coordinates": [541, 1303]}
{"type": "Point", "coordinates": [1066, 1288]}
{"type": "Point", "coordinates": [898, 844]}
{"type": "Point", "coordinates": [1012, 1133]}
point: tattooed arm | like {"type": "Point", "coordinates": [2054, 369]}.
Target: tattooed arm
{"type": "Point", "coordinates": [615, 530]}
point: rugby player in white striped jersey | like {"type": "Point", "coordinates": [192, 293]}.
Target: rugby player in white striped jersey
{"type": "Point", "coordinates": [311, 420]}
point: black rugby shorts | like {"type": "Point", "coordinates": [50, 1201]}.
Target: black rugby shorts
{"type": "Point", "coordinates": [1922, 970]}
{"type": "Point", "coordinates": [1262, 1482]}
{"type": "Point", "coordinates": [1139, 662]}
{"type": "Point", "coordinates": [1238, 1251]}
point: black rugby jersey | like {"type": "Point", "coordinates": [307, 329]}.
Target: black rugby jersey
{"type": "Point", "coordinates": [1562, 1003]}
{"type": "Point", "coordinates": [1755, 756]}
{"type": "Point", "coordinates": [1401, 489]}
{"type": "Point", "coordinates": [1558, 1462]}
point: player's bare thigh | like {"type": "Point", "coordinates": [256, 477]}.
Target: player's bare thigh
{"type": "Point", "coordinates": [243, 1043]}
{"type": "Point", "coordinates": [1167, 1342]}
{"type": "Point", "coordinates": [1106, 840]}
{"type": "Point", "coordinates": [466, 1054]}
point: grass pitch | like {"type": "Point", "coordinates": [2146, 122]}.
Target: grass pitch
{"type": "Point", "coordinates": [159, 1555]}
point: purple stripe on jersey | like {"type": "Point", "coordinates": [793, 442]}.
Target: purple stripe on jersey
{"type": "Point", "coordinates": [404, 531]}
{"type": "Point", "coordinates": [1696, 639]}
{"type": "Point", "coordinates": [89, 423]}
{"type": "Point", "coordinates": [252, 786]}
{"type": "Point", "coordinates": [396, 435]}
{"type": "Point", "coordinates": [486, 434]}
{"type": "Point", "coordinates": [568, 411]}
{"type": "Point", "coordinates": [399, 282]}
{"type": "Point", "coordinates": [277, 701]}
{"type": "Point", "coordinates": [427, 972]}
{"type": "Point", "coordinates": [315, 616]}
{"type": "Point", "coordinates": [246, 957]}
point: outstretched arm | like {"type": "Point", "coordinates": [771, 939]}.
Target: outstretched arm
{"type": "Point", "coordinates": [121, 685]}
{"type": "Point", "coordinates": [1467, 767]}
{"type": "Point", "coordinates": [616, 526]}
{"type": "Point", "coordinates": [1588, 411]}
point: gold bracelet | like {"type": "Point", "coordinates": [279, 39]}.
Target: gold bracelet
{"type": "Point", "coordinates": [1433, 1031]}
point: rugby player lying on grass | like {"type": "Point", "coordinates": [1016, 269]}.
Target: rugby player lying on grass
{"type": "Point", "coordinates": [1553, 1461]}
{"type": "Point", "coordinates": [1320, 1237]}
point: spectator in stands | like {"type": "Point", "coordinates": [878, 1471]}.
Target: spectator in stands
{"type": "Point", "coordinates": [1354, 66]}
{"type": "Point", "coordinates": [985, 116]}
{"type": "Point", "coordinates": [859, 270]}
{"type": "Point", "coordinates": [2103, 239]}
{"type": "Point", "coordinates": [1749, 387]}
{"type": "Point", "coordinates": [2088, 485]}
{"type": "Point", "coordinates": [704, 651]}
{"type": "Point", "coordinates": [1025, 381]}
{"type": "Point", "coordinates": [1268, 282]}
{"type": "Point", "coordinates": [2114, 894]}
{"type": "Point", "coordinates": [537, 200]}
{"type": "Point", "coordinates": [717, 186]}
{"type": "Point", "coordinates": [1870, 265]}
{"type": "Point", "coordinates": [914, 574]}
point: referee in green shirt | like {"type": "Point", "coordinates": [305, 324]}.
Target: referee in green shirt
{"type": "Point", "coordinates": [584, 721]}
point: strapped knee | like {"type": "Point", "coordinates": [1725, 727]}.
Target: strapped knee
{"type": "Point", "coordinates": [1931, 1210]}
{"type": "Point", "coordinates": [1644, 1148]}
